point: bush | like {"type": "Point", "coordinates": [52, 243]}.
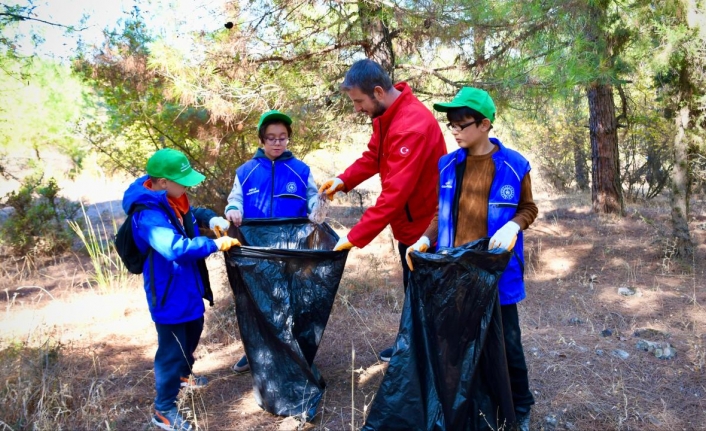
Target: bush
{"type": "Point", "coordinates": [37, 226]}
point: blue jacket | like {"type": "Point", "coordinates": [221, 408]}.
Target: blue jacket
{"type": "Point", "coordinates": [180, 276]}
{"type": "Point", "coordinates": [272, 188]}
{"type": "Point", "coordinates": [510, 168]}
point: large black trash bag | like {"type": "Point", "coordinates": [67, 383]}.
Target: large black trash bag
{"type": "Point", "coordinates": [285, 279]}
{"type": "Point", "coordinates": [448, 371]}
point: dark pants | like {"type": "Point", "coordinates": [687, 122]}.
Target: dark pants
{"type": "Point", "coordinates": [174, 359]}
{"type": "Point", "coordinates": [405, 268]}
{"type": "Point", "coordinates": [519, 381]}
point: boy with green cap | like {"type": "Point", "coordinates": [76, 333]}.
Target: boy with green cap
{"type": "Point", "coordinates": [273, 184]}
{"type": "Point", "coordinates": [164, 227]}
{"type": "Point", "coordinates": [485, 190]}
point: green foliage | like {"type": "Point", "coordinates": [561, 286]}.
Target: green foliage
{"type": "Point", "coordinates": [37, 225]}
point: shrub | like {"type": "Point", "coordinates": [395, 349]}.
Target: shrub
{"type": "Point", "coordinates": [37, 226]}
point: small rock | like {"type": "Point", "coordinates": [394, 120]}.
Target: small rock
{"type": "Point", "coordinates": [606, 333]}
{"type": "Point", "coordinates": [550, 421]}
{"type": "Point", "coordinates": [661, 350]}
{"type": "Point", "coordinates": [627, 291]}
{"type": "Point", "coordinates": [575, 321]}
{"type": "Point", "coordinates": [649, 333]}
{"type": "Point", "coordinates": [599, 352]}
{"type": "Point", "coordinates": [622, 354]}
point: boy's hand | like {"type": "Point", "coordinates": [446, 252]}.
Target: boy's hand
{"type": "Point", "coordinates": [505, 237]}
{"type": "Point", "coordinates": [236, 216]}
{"type": "Point", "coordinates": [343, 244]}
{"type": "Point", "coordinates": [421, 246]}
{"type": "Point", "coordinates": [331, 187]}
{"type": "Point", "coordinates": [224, 243]}
{"type": "Point", "coordinates": [218, 225]}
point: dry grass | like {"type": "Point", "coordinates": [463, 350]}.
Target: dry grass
{"type": "Point", "coordinates": [75, 358]}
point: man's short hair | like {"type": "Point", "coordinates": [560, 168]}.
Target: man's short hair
{"type": "Point", "coordinates": [366, 75]}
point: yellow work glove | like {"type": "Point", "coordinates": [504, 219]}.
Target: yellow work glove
{"type": "Point", "coordinates": [224, 243]}
{"type": "Point", "coordinates": [505, 237]}
{"type": "Point", "coordinates": [236, 216]}
{"type": "Point", "coordinates": [218, 225]}
{"type": "Point", "coordinates": [331, 187]}
{"type": "Point", "coordinates": [421, 246]}
{"type": "Point", "coordinates": [343, 244]}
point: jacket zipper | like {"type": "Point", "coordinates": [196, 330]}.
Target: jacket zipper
{"type": "Point", "coordinates": [166, 290]}
{"type": "Point", "coordinates": [272, 189]}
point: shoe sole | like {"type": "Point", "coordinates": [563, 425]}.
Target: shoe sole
{"type": "Point", "coordinates": [166, 427]}
{"type": "Point", "coordinates": [240, 372]}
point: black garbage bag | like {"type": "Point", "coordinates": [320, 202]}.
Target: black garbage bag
{"type": "Point", "coordinates": [448, 371]}
{"type": "Point", "coordinates": [285, 279]}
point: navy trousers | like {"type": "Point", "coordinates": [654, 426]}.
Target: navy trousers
{"type": "Point", "coordinates": [174, 359]}
{"type": "Point", "coordinates": [519, 380]}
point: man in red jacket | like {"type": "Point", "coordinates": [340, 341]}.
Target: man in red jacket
{"type": "Point", "coordinates": [404, 149]}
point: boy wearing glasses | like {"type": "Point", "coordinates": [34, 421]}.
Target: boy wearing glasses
{"type": "Point", "coordinates": [485, 190]}
{"type": "Point", "coordinates": [272, 184]}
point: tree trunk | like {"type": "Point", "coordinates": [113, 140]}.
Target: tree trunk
{"type": "Point", "coordinates": [679, 186]}
{"type": "Point", "coordinates": [378, 38]}
{"type": "Point", "coordinates": [606, 191]}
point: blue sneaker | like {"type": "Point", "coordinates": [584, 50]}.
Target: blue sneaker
{"type": "Point", "coordinates": [194, 382]}
{"type": "Point", "coordinates": [386, 354]}
{"type": "Point", "coordinates": [171, 420]}
{"type": "Point", "coordinates": [242, 366]}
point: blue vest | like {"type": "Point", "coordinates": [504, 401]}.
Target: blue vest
{"type": "Point", "coordinates": [274, 189]}
{"type": "Point", "coordinates": [510, 169]}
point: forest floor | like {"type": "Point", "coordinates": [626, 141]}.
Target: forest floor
{"type": "Point", "coordinates": [76, 357]}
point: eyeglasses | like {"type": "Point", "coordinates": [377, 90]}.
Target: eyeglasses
{"type": "Point", "coordinates": [459, 127]}
{"type": "Point", "coordinates": [281, 141]}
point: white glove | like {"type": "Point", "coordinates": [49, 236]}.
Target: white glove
{"type": "Point", "coordinates": [219, 225]}
{"type": "Point", "coordinates": [330, 187]}
{"type": "Point", "coordinates": [505, 237]}
{"type": "Point", "coordinates": [421, 246]}
{"type": "Point", "coordinates": [343, 244]}
{"type": "Point", "coordinates": [236, 216]}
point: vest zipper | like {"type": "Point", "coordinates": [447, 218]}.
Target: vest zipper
{"type": "Point", "coordinates": [272, 190]}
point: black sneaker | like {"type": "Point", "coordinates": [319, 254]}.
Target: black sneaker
{"type": "Point", "coordinates": [242, 366]}
{"type": "Point", "coordinates": [386, 354]}
{"type": "Point", "coordinates": [523, 421]}
{"type": "Point", "coordinates": [171, 420]}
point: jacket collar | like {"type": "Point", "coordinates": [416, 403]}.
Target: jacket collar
{"type": "Point", "coordinates": [260, 154]}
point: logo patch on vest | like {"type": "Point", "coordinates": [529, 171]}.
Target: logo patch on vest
{"type": "Point", "coordinates": [253, 190]}
{"type": "Point", "coordinates": [507, 192]}
{"type": "Point", "coordinates": [447, 185]}
{"type": "Point", "coordinates": [291, 187]}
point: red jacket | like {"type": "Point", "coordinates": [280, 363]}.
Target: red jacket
{"type": "Point", "coordinates": [404, 149]}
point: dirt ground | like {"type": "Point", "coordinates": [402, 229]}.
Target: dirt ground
{"type": "Point", "coordinates": [76, 357]}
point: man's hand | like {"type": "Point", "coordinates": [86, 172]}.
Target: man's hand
{"type": "Point", "coordinates": [343, 244]}
{"type": "Point", "coordinates": [421, 246]}
{"type": "Point", "coordinates": [505, 237]}
{"type": "Point", "coordinates": [331, 187]}
{"type": "Point", "coordinates": [236, 216]}
{"type": "Point", "coordinates": [218, 225]}
{"type": "Point", "coordinates": [224, 243]}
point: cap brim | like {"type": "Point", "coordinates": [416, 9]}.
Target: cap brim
{"type": "Point", "coordinates": [191, 179]}
{"type": "Point", "coordinates": [445, 107]}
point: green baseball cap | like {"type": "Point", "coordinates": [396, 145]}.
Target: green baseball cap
{"type": "Point", "coordinates": [173, 165]}
{"type": "Point", "coordinates": [274, 115]}
{"type": "Point", "coordinates": [474, 98]}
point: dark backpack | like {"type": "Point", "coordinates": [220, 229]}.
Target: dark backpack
{"type": "Point", "coordinates": [132, 257]}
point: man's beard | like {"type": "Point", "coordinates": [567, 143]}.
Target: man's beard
{"type": "Point", "coordinates": [378, 110]}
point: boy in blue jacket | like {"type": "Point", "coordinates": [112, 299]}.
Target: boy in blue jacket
{"type": "Point", "coordinates": [175, 274]}
{"type": "Point", "coordinates": [272, 184]}
{"type": "Point", "coordinates": [485, 190]}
